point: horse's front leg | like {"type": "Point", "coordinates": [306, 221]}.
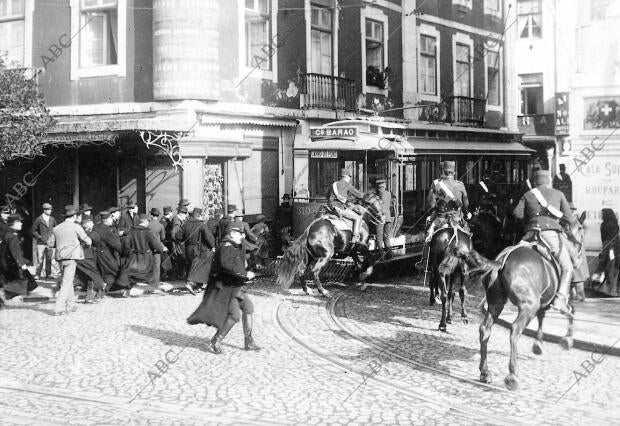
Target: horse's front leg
{"type": "Point", "coordinates": [302, 281]}
{"type": "Point", "coordinates": [316, 270]}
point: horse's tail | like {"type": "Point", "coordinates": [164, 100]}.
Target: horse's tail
{"type": "Point", "coordinates": [481, 269]}
{"type": "Point", "coordinates": [293, 262]}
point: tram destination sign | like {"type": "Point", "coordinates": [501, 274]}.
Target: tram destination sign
{"type": "Point", "coordinates": [331, 132]}
{"type": "Point", "coordinates": [323, 154]}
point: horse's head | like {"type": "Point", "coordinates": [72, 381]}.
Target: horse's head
{"type": "Point", "coordinates": [373, 205]}
{"type": "Point", "coordinates": [576, 231]}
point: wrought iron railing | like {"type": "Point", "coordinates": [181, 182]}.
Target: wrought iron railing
{"type": "Point", "coordinates": [326, 91]}
{"type": "Point", "coordinates": [455, 109]}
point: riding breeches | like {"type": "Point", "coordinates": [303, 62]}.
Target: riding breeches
{"type": "Point", "coordinates": [356, 218]}
{"type": "Point", "coordinates": [560, 251]}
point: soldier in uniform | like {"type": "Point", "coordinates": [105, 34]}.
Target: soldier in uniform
{"type": "Point", "coordinates": [339, 199]}
{"type": "Point", "coordinates": [225, 302]}
{"type": "Point", "coordinates": [383, 229]}
{"type": "Point", "coordinates": [543, 207]}
{"type": "Point", "coordinates": [446, 199]}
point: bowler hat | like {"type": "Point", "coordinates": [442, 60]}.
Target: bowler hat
{"type": "Point", "coordinates": [70, 210]}
{"type": "Point", "coordinates": [345, 172]}
{"type": "Point", "coordinates": [13, 218]}
{"type": "Point", "coordinates": [286, 197]}
{"type": "Point", "coordinates": [104, 214]}
{"type": "Point", "coordinates": [85, 207]}
{"type": "Point", "coordinates": [167, 209]}
{"type": "Point", "coordinates": [381, 182]}
{"type": "Point", "coordinates": [234, 226]}
{"type": "Point", "coordinates": [155, 211]}
{"type": "Point", "coordinates": [46, 206]}
{"type": "Point", "coordinates": [541, 177]}
{"type": "Point", "coordinates": [182, 209]}
{"type": "Point", "coordinates": [448, 166]}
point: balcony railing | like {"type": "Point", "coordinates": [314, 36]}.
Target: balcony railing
{"type": "Point", "coordinates": [461, 110]}
{"type": "Point", "coordinates": [326, 91]}
{"type": "Point", "coordinates": [537, 124]}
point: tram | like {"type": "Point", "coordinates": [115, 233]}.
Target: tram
{"type": "Point", "coordinates": [408, 157]}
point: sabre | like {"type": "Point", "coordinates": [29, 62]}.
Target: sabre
{"type": "Point", "coordinates": [426, 266]}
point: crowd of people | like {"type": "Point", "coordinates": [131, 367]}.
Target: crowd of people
{"type": "Point", "coordinates": [112, 251]}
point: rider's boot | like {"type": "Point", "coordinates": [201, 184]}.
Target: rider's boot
{"type": "Point", "coordinates": [216, 342]}
{"type": "Point", "coordinates": [561, 298]}
{"type": "Point", "coordinates": [246, 319]}
{"type": "Point", "coordinates": [356, 230]}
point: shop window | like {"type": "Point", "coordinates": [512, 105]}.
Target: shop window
{"type": "Point", "coordinates": [99, 33]}
{"type": "Point", "coordinates": [12, 31]}
{"type": "Point", "coordinates": [258, 34]}
{"type": "Point", "coordinates": [428, 65]}
{"type": "Point", "coordinates": [529, 18]}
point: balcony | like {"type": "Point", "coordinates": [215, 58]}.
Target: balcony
{"type": "Point", "coordinates": [536, 124]}
{"type": "Point", "coordinates": [327, 92]}
{"type": "Point", "coordinates": [457, 110]}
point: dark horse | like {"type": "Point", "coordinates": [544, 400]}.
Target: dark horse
{"type": "Point", "coordinates": [530, 280]}
{"type": "Point", "coordinates": [487, 234]}
{"type": "Point", "coordinates": [321, 240]}
{"type": "Point", "coordinates": [446, 268]}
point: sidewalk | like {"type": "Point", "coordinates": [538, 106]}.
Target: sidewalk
{"type": "Point", "coordinates": [596, 326]}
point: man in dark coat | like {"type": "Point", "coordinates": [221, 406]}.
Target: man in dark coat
{"type": "Point", "coordinates": [384, 229]}
{"type": "Point", "coordinates": [129, 218]}
{"type": "Point", "coordinates": [158, 230]}
{"type": "Point", "coordinates": [86, 269]}
{"type": "Point", "coordinates": [263, 240]}
{"type": "Point", "coordinates": [15, 280]}
{"type": "Point", "coordinates": [139, 248]}
{"type": "Point", "coordinates": [214, 225]}
{"type": "Point", "coordinates": [4, 216]}
{"type": "Point", "coordinates": [199, 248]}
{"type": "Point", "coordinates": [179, 261]}
{"type": "Point", "coordinates": [108, 252]}
{"type": "Point", "coordinates": [41, 230]}
{"type": "Point", "coordinates": [225, 302]}
{"type": "Point", "coordinates": [249, 239]}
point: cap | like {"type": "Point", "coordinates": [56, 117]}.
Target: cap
{"type": "Point", "coordinates": [345, 172]}
{"type": "Point", "coordinates": [113, 209]}
{"type": "Point", "coordinates": [155, 211]}
{"type": "Point", "coordinates": [70, 210]}
{"type": "Point", "coordinates": [86, 218]}
{"type": "Point", "coordinates": [541, 177]}
{"type": "Point", "coordinates": [85, 207]}
{"type": "Point", "coordinates": [197, 211]}
{"type": "Point", "coordinates": [184, 202]}
{"type": "Point", "coordinates": [234, 226]}
{"type": "Point", "coordinates": [104, 214]}
{"type": "Point", "coordinates": [167, 209]}
{"type": "Point", "coordinates": [183, 209]}
{"type": "Point", "coordinates": [13, 218]}
{"type": "Point", "coordinates": [142, 216]}
{"type": "Point", "coordinates": [381, 182]}
{"type": "Point", "coordinates": [260, 218]}
{"type": "Point", "coordinates": [46, 206]}
{"type": "Point", "coordinates": [448, 166]}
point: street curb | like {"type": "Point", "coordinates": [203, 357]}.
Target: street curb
{"type": "Point", "coordinates": [578, 343]}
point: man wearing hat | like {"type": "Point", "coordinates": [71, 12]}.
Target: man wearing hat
{"type": "Point", "coordinates": [87, 270]}
{"type": "Point", "coordinates": [41, 231]}
{"type": "Point", "coordinates": [139, 248]}
{"type": "Point", "coordinates": [15, 280]}
{"type": "Point", "coordinates": [339, 198]}
{"type": "Point", "coordinates": [199, 248]}
{"type": "Point", "coordinates": [225, 301]}
{"type": "Point", "coordinates": [109, 250]}
{"type": "Point", "coordinates": [66, 238]}
{"type": "Point", "coordinates": [542, 207]}
{"type": "Point", "coordinates": [85, 210]}
{"type": "Point", "coordinates": [383, 229]}
{"type": "Point", "coordinates": [214, 225]}
{"type": "Point", "coordinates": [159, 231]}
{"type": "Point", "coordinates": [178, 245]}
{"type": "Point", "coordinates": [115, 213]}
{"type": "Point", "coordinates": [129, 218]}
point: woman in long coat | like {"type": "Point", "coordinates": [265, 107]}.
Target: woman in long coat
{"type": "Point", "coordinates": [609, 257]}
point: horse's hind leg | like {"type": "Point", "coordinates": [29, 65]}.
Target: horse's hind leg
{"type": "Point", "coordinates": [450, 301]}
{"type": "Point", "coordinates": [316, 270]}
{"type": "Point", "coordinates": [444, 301]}
{"type": "Point", "coordinates": [462, 294]}
{"type": "Point", "coordinates": [523, 318]}
{"type": "Point", "coordinates": [490, 317]}
{"type": "Point", "coordinates": [538, 343]}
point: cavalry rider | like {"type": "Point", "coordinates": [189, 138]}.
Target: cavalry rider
{"type": "Point", "coordinates": [339, 199]}
{"type": "Point", "coordinates": [543, 207]}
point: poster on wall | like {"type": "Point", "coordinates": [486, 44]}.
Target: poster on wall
{"type": "Point", "coordinates": [561, 113]}
{"type": "Point", "coordinates": [601, 113]}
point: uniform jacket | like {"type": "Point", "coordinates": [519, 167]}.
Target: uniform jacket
{"type": "Point", "coordinates": [66, 237]}
{"type": "Point", "coordinates": [386, 203]}
{"type": "Point", "coordinates": [126, 222]}
{"type": "Point", "coordinates": [563, 183]}
{"type": "Point", "coordinates": [41, 230]}
{"type": "Point", "coordinates": [108, 250]}
{"type": "Point", "coordinates": [536, 216]}
{"type": "Point", "coordinates": [157, 229]}
{"type": "Point", "coordinates": [230, 264]}
{"type": "Point", "coordinates": [345, 190]}
{"type": "Point", "coordinates": [456, 186]}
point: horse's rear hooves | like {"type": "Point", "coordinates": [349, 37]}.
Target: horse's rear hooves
{"type": "Point", "coordinates": [465, 320]}
{"type": "Point", "coordinates": [567, 343]}
{"type": "Point", "coordinates": [511, 382]}
{"type": "Point", "coordinates": [537, 348]}
{"type": "Point", "coordinates": [443, 328]}
{"type": "Point", "coordinates": [485, 377]}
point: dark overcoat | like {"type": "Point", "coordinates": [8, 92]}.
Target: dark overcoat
{"type": "Point", "coordinates": [108, 252]}
{"type": "Point", "coordinates": [15, 280]}
{"type": "Point", "coordinates": [138, 252]}
{"type": "Point", "coordinates": [199, 242]}
{"type": "Point", "coordinates": [87, 269]}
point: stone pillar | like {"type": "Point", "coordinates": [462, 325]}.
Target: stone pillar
{"type": "Point", "coordinates": [193, 180]}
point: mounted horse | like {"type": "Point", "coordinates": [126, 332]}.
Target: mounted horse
{"type": "Point", "coordinates": [326, 236]}
{"type": "Point", "coordinates": [487, 232]}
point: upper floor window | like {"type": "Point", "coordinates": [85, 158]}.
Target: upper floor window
{"type": "Point", "coordinates": [462, 3]}
{"type": "Point", "coordinates": [531, 93]}
{"type": "Point", "coordinates": [598, 9]}
{"type": "Point", "coordinates": [99, 33]}
{"type": "Point", "coordinates": [321, 35]}
{"type": "Point", "coordinates": [258, 34]}
{"type": "Point", "coordinates": [493, 7]}
{"type": "Point", "coordinates": [530, 18]}
{"type": "Point", "coordinates": [462, 82]}
{"type": "Point", "coordinates": [375, 49]}
{"type": "Point", "coordinates": [428, 65]}
{"type": "Point", "coordinates": [12, 31]}
{"type": "Point", "coordinates": [493, 80]}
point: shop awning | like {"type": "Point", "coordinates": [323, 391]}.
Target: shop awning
{"type": "Point", "coordinates": [363, 142]}
{"type": "Point", "coordinates": [415, 146]}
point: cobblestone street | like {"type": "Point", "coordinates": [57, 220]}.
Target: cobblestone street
{"type": "Point", "coordinates": [356, 358]}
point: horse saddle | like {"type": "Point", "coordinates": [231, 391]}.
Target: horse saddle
{"type": "Point", "coordinates": [341, 224]}
{"type": "Point", "coordinates": [536, 244]}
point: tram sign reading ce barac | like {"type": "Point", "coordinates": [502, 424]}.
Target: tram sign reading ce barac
{"type": "Point", "coordinates": [333, 132]}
